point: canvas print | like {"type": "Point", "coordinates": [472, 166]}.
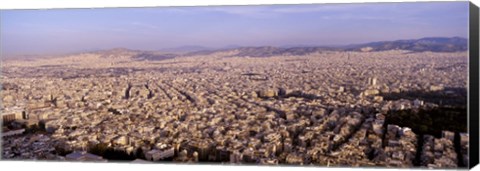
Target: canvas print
{"type": "Point", "coordinates": [325, 85]}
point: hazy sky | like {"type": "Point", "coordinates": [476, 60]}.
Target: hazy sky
{"type": "Point", "coordinates": [73, 30]}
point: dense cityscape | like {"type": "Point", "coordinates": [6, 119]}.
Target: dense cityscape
{"type": "Point", "coordinates": [328, 108]}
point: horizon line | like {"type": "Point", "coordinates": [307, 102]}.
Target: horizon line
{"type": "Point", "coordinates": [164, 50]}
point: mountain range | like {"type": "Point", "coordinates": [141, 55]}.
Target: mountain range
{"type": "Point", "coordinates": [183, 49]}
{"type": "Point", "coordinates": [433, 44]}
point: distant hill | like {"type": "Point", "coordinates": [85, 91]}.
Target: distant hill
{"type": "Point", "coordinates": [110, 53]}
{"type": "Point", "coordinates": [434, 44]}
{"type": "Point", "coordinates": [153, 56]}
{"type": "Point", "coordinates": [183, 49]}
{"type": "Point", "coordinates": [265, 51]}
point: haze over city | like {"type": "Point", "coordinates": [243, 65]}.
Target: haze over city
{"type": "Point", "coordinates": [76, 30]}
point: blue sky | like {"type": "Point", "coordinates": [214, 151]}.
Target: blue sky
{"type": "Point", "coordinates": [74, 30]}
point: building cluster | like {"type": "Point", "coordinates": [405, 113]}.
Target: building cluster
{"type": "Point", "coordinates": [439, 152]}
{"type": "Point", "coordinates": [401, 146]}
{"type": "Point", "coordinates": [323, 109]}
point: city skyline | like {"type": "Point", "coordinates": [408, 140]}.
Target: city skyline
{"type": "Point", "coordinates": [74, 30]}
